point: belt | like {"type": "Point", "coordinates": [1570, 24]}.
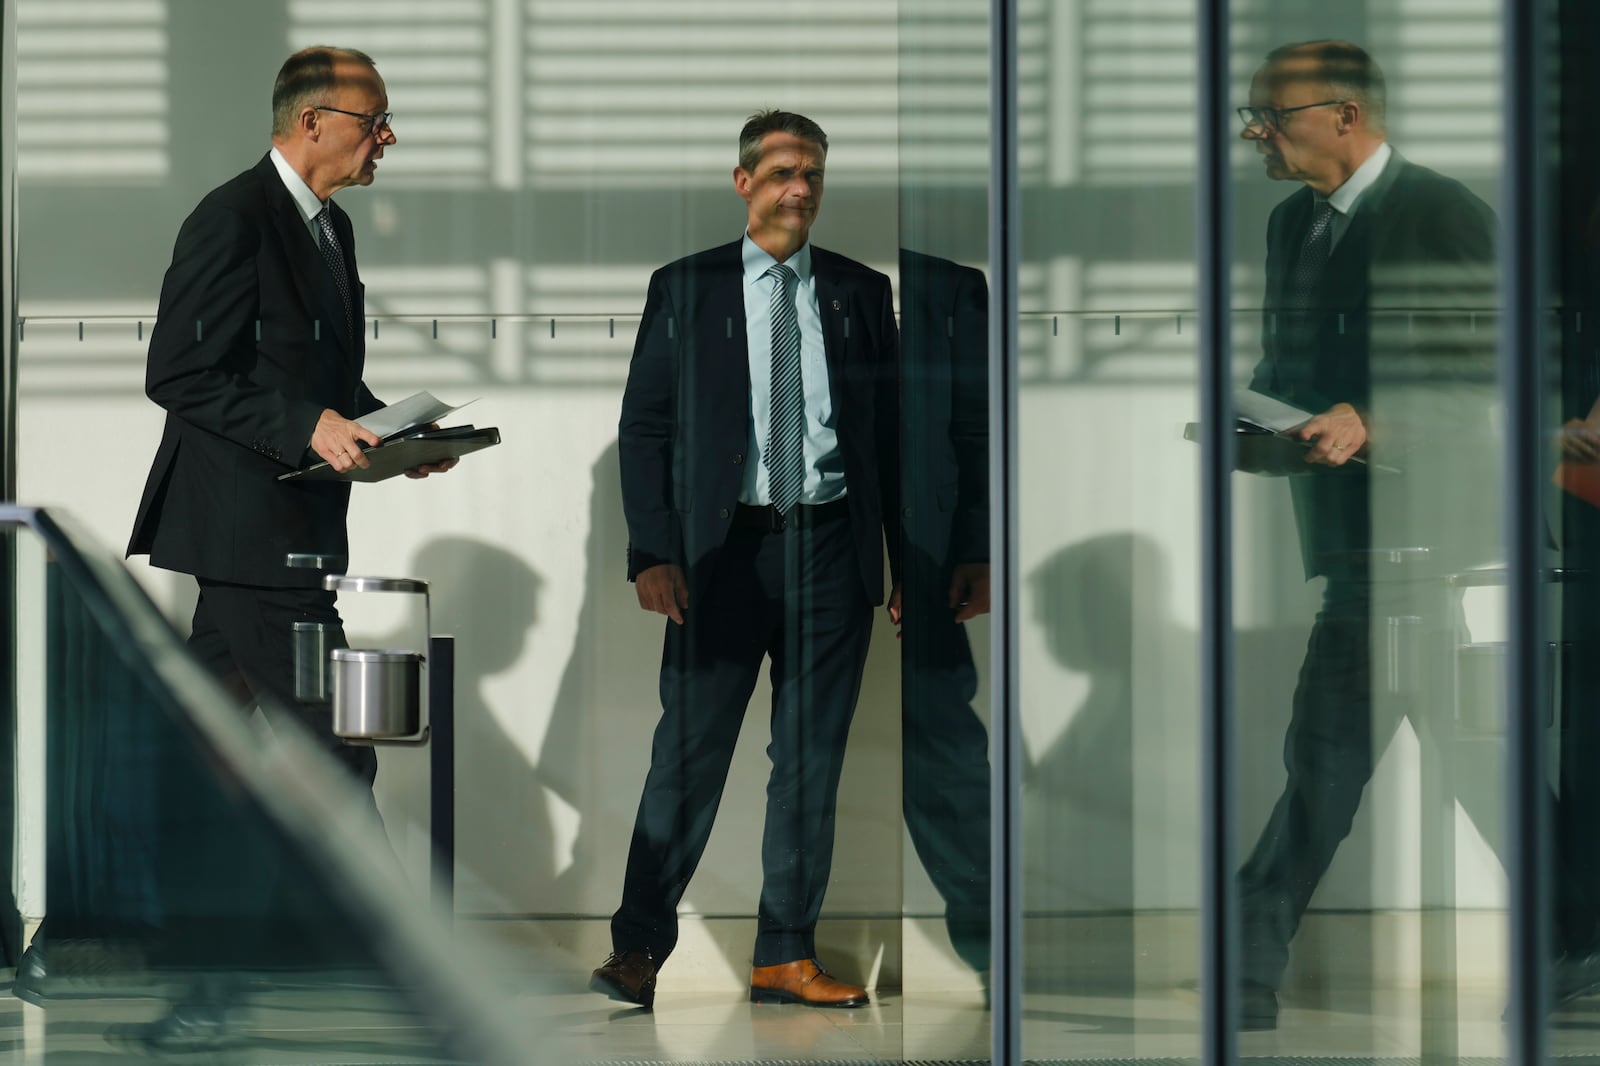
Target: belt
{"type": "Point", "coordinates": [767, 518]}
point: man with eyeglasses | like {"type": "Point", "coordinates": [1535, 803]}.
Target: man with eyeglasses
{"type": "Point", "coordinates": [257, 356]}
{"type": "Point", "coordinates": [1379, 275]}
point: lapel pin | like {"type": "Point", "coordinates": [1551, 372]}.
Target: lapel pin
{"type": "Point", "coordinates": [836, 305]}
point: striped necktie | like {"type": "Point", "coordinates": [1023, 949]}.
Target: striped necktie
{"type": "Point", "coordinates": [786, 425]}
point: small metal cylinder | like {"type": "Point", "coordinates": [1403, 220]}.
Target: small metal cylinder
{"type": "Point", "coordinates": [376, 694]}
{"type": "Point", "coordinates": [310, 645]}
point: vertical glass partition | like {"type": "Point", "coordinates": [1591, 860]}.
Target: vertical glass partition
{"type": "Point", "coordinates": [945, 568]}
{"type": "Point", "coordinates": [1107, 514]}
{"type": "Point", "coordinates": [1369, 580]}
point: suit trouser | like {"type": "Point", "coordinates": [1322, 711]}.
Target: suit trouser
{"type": "Point", "coordinates": [796, 598]}
{"type": "Point", "coordinates": [247, 900]}
{"type": "Point", "coordinates": [945, 752]}
{"type": "Point", "coordinates": [1335, 734]}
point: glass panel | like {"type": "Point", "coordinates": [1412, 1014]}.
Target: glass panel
{"type": "Point", "coordinates": [1108, 514]}
{"type": "Point", "coordinates": [944, 346]}
{"type": "Point", "coordinates": [197, 899]}
{"type": "Point", "coordinates": [550, 156]}
{"type": "Point", "coordinates": [1368, 576]}
{"type": "Point", "coordinates": [1572, 413]}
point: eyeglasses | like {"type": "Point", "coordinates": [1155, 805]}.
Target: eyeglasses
{"type": "Point", "coordinates": [377, 122]}
{"type": "Point", "coordinates": [1271, 118]}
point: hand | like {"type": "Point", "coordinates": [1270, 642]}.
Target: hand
{"type": "Point", "coordinates": [896, 611]}
{"type": "Point", "coordinates": [1337, 435]}
{"type": "Point", "coordinates": [432, 468]}
{"type": "Point", "coordinates": [338, 440]}
{"type": "Point", "coordinates": [969, 590]}
{"type": "Point", "coordinates": [1580, 441]}
{"type": "Point", "coordinates": [663, 590]}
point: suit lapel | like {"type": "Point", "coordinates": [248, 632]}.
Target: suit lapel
{"type": "Point", "coordinates": [312, 281]}
{"type": "Point", "coordinates": [834, 307]}
{"type": "Point", "coordinates": [1350, 266]}
{"type": "Point", "coordinates": [722, 342]}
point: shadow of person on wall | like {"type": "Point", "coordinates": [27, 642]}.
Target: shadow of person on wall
{"type": "Point", "coordinates": [1102, 606]}
{"type": "Point", "coordinates": [488, 599]}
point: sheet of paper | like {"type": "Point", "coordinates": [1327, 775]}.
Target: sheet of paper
{"type": "Point", "coordinates": [413, 411]}
{"type": "Point", "coordinates": [1267, 412]}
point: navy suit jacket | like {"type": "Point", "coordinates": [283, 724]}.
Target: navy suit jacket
{"type": "Point", "coordinates": [1401, 327]}
{"type": "Point", "coordinates": [685, 419]}
{"type": "Point", "coordinates": [249, 347]}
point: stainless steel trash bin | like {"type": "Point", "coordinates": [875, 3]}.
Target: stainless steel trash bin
{"type": "Point", "coordinates": [377, 694]}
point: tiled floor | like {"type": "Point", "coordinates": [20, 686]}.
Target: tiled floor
{"type": "Point", "coordinates": [332, 1023]}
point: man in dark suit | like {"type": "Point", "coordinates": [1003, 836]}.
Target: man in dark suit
{"type": "Point", "coordinates": [257, 357]}
{"type": "Point", "coordinates": [944, 343]}
{"type": "Point", "coordinates": [1374, 273]}
{"type": "Point", "coordinates": [760, 474]}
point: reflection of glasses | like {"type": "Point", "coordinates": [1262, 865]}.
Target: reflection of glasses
{"type": "Point", "coordinates": [377, 122]}
{"type": "Point", "coordinates": [1271, 118]}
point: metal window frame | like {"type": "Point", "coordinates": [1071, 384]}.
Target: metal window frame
{"type": "Point", "coordinates": [1006, 777]}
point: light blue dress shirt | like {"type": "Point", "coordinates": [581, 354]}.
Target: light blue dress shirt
{"type": "Point", "coordinates": [824, 465]}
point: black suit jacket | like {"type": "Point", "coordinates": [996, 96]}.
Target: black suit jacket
{"type": "Point", "coordinates": [1401, 328]}
{"type": "Point", "coordinates": [249, 347]}
{"type": "Point", "coordinates": [686, 411]}
{"type": "Point", "coordinates": [944, 345]}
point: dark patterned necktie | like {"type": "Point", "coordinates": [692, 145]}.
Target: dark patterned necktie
{"type": "Point", "coordinates": [1300, 290]}
{"type": "Point", "coordinates": [786, 425]}
{"type": "Point", "coordinates": [333, 255]}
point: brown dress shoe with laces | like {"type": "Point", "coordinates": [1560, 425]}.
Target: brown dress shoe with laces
{"type": "Point", "coordinates": [802, 981]}
{"type": "Point", "coordinates": [629, 976]}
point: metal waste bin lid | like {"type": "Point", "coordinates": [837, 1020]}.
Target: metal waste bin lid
{"type": "Point", "coordinates": [374, 655]}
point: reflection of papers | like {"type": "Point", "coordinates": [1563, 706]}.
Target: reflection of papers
{"type": "Point", "coordinates": [409, 413]}
{"type": "Point", "coordinates": [1271, 414]}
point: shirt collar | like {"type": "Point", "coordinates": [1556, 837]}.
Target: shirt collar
{"type": "Point", "coordinates": [304, 198]}
{"type": "Point", "coordinates": [1345, 196]}
{"type": "Point", "coordinates": [757, 260]}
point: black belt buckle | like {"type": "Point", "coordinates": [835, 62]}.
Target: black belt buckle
{"type": "Point", "coordinates": [775, 520]}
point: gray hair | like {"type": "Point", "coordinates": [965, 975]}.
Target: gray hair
{"type": "Point", "coordinates": [764, 122]}
{"type": "Point", "coordinates": [1349, 72]}
{"type": "Point", "coordinates": [306, 79]}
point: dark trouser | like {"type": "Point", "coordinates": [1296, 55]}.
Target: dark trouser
{"type": "Point", "coordinates": [795, 597]}
{"type": "Point", "coordinates": [1335, 734]}
{"type": "Point", "coordinates": [945, 771]}
{"type": "Point", "coordinates": [241, 897]}
{"type": "Point", "coordinates": [244, 635]}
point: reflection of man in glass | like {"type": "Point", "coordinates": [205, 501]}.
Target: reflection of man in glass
{"type": "Point", "coordinates": [1371, 270]}
{"type": "Point", "coordinates": [944, 346]}
{"type": "Point", "coordinates": [759, 447]}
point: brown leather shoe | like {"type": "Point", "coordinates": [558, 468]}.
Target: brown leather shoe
{"type": "Point", "coordinates": [802, 981]}
{"type": "Point", "coordinates": [629, 976]}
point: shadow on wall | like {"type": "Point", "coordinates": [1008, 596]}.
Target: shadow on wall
{"type": "Point", "coordinates": [1102, 606]}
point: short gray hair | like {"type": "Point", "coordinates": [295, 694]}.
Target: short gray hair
{"type": "Point", "coordinates": [306, 80]}
{"type": "Point", "coordinates": [764, 122]}
{"type": "Point", "coordinates": [1349, 71]}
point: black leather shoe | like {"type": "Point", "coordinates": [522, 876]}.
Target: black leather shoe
{"type": "Point", "coordinates": [1258, 1007]}
{"type": "Point", "coordinates": [629, 976]}
{"type": "Point", "coordinates": [188, 1028]}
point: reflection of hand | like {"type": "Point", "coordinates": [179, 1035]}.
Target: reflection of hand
{"type": "Point", "coordinates": [895, 611]}
{"type": "Point", "coordinates": [969, 590]}
{"type": "Point", "coordinates": [338, 440]}
{"type": "Point", "coordinates": [1337, 435]}
{"type": "Point", "coordinates": [1580, 441]}
{"type": "Point", "coordinates": [663, 590]}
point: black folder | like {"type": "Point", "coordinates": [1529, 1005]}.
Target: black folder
{"type": "Point", "coordinates": [399, 454]}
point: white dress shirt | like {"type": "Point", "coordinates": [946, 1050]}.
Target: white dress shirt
{"type": "Point", "coordinates": [1344, 198]}
{"type": "Point", "coordinates": [304, 198]}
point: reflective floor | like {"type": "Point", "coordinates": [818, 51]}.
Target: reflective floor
{"type": "Point", "coordinates": [326, 1023]}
